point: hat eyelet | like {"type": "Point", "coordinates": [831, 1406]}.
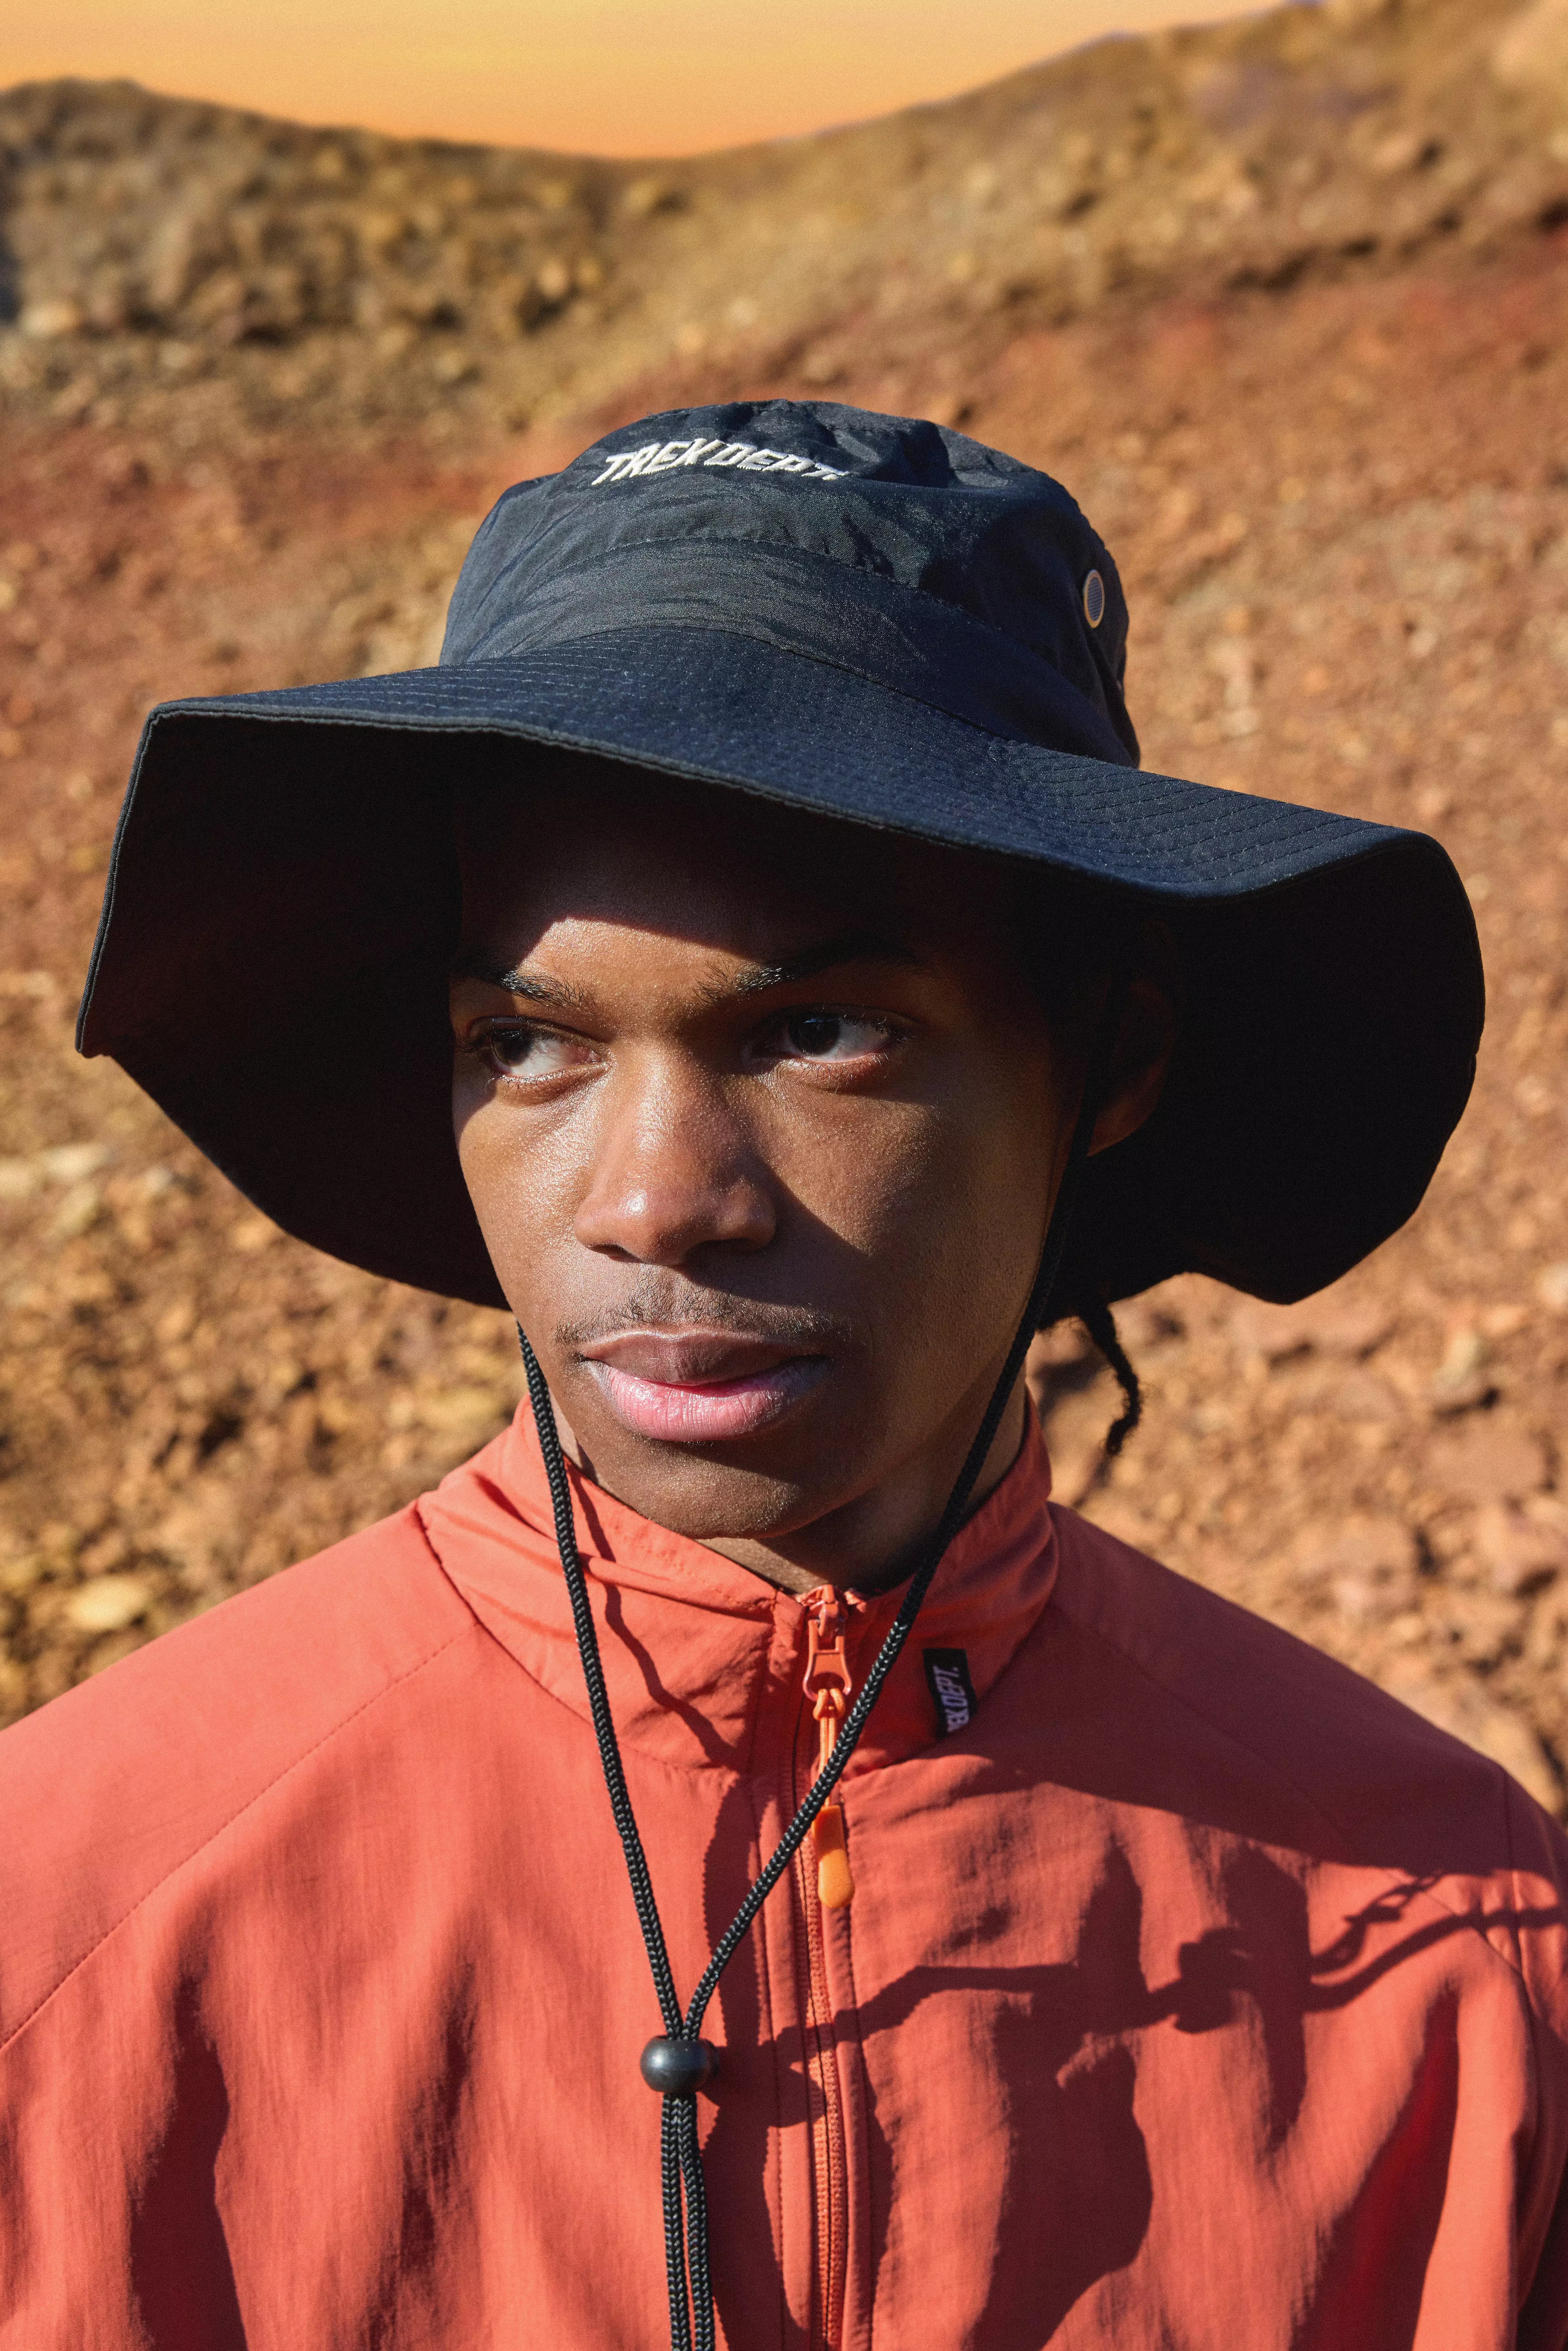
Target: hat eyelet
{"type": "Point", "coordinates": [1093, 600]}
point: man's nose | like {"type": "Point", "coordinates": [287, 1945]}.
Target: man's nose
{"type": "Point", "coordinates": [675, 1170]}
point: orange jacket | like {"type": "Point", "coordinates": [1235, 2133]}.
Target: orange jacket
{"type": "Point", "coordinates": [1192, 1993]}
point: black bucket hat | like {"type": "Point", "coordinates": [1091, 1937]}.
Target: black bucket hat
{"type": "Point", "coordinates": [865, 616]}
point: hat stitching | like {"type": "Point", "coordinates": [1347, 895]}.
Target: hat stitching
{"type": "Point", "coordinates": [588, 564]}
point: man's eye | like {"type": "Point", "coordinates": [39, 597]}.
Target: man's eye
{"type": "Point", "coordinates": [532, 1052]}
{"type": "Point", "coordinates": [830, 1036]}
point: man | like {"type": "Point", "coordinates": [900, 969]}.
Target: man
{"type": "Point", "coordinates": [755, 958]}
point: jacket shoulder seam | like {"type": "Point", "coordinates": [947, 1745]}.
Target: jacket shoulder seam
{"type": "Point", "coordinates": [1285, 1778]}
{"type": "Point", "coordinates": [254, 1798]}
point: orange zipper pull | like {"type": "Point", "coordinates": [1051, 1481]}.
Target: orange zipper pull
{"type": "Point", "coordinates": [827, 1686]}
{"type": "Point", "coordinates": [835, 1883]}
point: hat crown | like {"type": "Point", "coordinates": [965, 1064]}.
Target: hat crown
{"type": "Point", "coordinates": [779, 503]}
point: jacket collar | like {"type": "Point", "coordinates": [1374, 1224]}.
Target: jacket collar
{"type": "Point", "coordinates": [702, 1660]}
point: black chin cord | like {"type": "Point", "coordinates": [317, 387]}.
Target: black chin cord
{"type": "Point", "coordinates": [678, 2063]}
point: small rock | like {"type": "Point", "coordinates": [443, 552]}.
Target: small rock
{"type": "Point", "coordinates": [78, 1212]}
{"type": "Point", "coordinates": [1460, 1382]}
{"type": "Point", "coordinates": [72, 1163]}
{"type": "Point", "coordinates": [43, 321]}
{"type": "Point", "coordinates": [1273, 1333]}
{"type": "Point", "coordinates": [1362, 1396]}
{"type": "Point", "coordinates": [643, 198]}
{"type": "Point", "coordinates": [1534, 52]}
{"type": "Point", "coordinates": [176, 1323]}
{"type": "Point", "coordinates": [1331, 1324]}
{"type": "Point", "coordinates": [1552, 1288]}
{"type": "Point", "coordinates": [1467, 1710]}
{"type": "Point", "coordinates": [1370, 1569]}
{"type": "Point", "coordinates": [1143, 1323]}
{"type": "Point", "coordinates": [1489, 1461]}
{"type": "Point", "coordinates": [108, 1604]}
{"type": "Point", "coordinates": [454, 368]}
{"type": "Point", "coordinates": [1397, 152]}
{"type": "Point", "coordinates": [464, 1416]}
{"type": "Point", "coordinates": [1522, 1551]}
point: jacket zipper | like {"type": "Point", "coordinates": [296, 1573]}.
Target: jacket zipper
{"type": "Point", "coordinates": [822, 1874]}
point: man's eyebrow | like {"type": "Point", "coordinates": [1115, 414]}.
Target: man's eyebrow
{"type": "Point", "coordinates": [753, 979]}
{"type": "Point", "coordinates": [853, 946]}
{"type": "Point", "coordinates": [532, 986]}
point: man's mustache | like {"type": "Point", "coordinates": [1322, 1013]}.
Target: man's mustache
{"type": "Point", "coordinates": [661, 1304]}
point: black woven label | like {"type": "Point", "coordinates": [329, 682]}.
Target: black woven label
{"type": "Point", "coordinates": [952, 1691]}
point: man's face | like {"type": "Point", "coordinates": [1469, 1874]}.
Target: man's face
{"type": "Point", "coordinates": [762, 1123]}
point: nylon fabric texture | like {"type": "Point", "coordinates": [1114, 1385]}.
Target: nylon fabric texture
{"type": "Point", "coordinates": [1193, 1992]}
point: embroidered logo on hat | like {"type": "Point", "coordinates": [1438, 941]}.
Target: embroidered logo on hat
{"type": "Point", "coordinates": [673, 456]}
{"type": "Point", "coordinates": [952, 1691]}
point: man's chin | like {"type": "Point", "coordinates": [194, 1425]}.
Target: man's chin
{"type": "Point", "coordinates": [758, 1489]}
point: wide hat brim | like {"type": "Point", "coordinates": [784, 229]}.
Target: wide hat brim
{"type": "Point", "coordinates": [271, 963]}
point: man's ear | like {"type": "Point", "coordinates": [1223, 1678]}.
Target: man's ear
{"type": "Point", "coordinates": [1145, 1042]}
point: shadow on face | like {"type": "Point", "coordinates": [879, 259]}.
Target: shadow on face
{"type": "Point", "coordinates": [762, 1115]}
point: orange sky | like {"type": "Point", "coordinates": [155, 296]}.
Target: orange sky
{"type": "Point", "coordinates": [610, 77]}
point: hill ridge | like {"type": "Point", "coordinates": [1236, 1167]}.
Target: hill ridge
{"type": "Point", "coordinates": [158, 244]}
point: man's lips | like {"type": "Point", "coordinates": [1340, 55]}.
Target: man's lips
{"type": "Point", "coordinates": [696, 1388]}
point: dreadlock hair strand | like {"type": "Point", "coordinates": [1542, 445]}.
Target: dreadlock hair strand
{"type": "Point", "coordinates": [1100, 1324]}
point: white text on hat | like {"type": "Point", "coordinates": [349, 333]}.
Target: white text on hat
{"type": "Point", "coordinates": [665, 456]}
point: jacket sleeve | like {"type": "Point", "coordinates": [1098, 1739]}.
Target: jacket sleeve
{"type": "Point", "coordinates": [1540, 1928]}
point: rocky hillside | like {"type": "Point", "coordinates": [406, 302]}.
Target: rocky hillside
{"type": "Point", "coordinates": [152, 247]}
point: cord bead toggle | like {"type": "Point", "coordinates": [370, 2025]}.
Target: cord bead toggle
{"type": "Point", "coordinates": [678, 2068]}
